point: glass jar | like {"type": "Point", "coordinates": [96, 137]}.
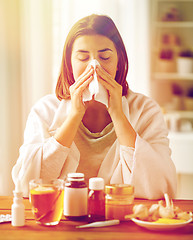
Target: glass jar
{"type": "Point", "coordinates": [118, 201]}
{"type": "Point", "coordinates": [75, 197]}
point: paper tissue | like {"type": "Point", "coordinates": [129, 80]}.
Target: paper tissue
{"type": "Point", "coordinates": [95, 89]}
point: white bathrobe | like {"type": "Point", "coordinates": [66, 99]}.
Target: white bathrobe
{"type": "Point", "coordinates": [148, 167]}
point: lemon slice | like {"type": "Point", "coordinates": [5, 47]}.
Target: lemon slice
{"type": "Point", "coordinates": [42, 190]}
{"type": "Point", "coordinates": [169, 221]}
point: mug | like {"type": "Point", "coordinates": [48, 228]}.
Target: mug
{"type": "Point", "coordinates": [47, 198]}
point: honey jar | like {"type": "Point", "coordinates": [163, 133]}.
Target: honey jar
{"type": "Point", "coordinates": [119, 200]}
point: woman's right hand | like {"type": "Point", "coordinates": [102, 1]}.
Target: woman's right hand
{"type": "Point", "coordinates": [76, 91]}
{"type": "Point", "coordinates": [66, 133]}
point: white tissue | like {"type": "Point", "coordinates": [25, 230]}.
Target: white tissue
{"type": "Point", "coordinates": [95, 89]}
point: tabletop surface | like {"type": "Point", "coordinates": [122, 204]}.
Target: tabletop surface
{"type": "Point", "coordinates": [67, 229]}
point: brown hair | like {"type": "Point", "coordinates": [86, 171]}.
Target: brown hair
{"type": "Point", "coordinates": [93, 24]}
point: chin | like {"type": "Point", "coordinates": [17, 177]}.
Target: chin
{"type": "Point", "coordinates": [94, 103]}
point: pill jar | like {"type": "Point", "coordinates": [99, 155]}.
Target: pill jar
{"type": "Point", "coordinates": [75, 197]}
{"type": "Point", "coordinates": [96, 200]}
{"type": "Point", "coordinates": [118, 201]}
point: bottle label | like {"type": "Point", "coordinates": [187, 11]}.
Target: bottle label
{"type": "Point", "coordinates": [75, 201]}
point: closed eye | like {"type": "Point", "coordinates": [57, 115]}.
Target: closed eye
{"type": "Point", "coordinates": [104, 58]}
{"type": "Point", "coordinates": [83, 56]}
{"type": "Point", "coordinates": [84, 59]}
{"type": "Point", "coordinates": [105, 54]}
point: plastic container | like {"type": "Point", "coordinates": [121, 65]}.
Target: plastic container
{"type": "Point", "coordinates": [18, 210]}
{"type": "Point", "coordinates": [75, 197]}
{"type": "Point", "coordinates": [96, 200]}
{"type": "Point", "coordinates": [184, 65]}
{"type": "Point", "coordinates": [118, 201]}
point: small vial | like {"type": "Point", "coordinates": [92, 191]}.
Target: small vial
{"type": "Point", "coordinates": [75, 197]}
{"type": "Point", "coordinates": [18, 210]}
{"type": "Point", "coordinates": [96, 200]}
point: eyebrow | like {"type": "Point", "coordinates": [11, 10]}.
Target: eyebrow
{"type": "Point", "coordinates": [82, 51]}
{"type": "Point", "coordinates": [102, 50]}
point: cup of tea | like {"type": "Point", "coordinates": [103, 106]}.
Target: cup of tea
{"type": "Point", "coordinates": [47, 199]}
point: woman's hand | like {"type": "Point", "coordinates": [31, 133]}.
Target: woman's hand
{"type": "Point", "coordinates": [76, 91]}
{"type": "Point", "coordinates": [66, 133]}
{"type": "Point", "coordinates": [114, 90]}
{"type": "Point", "coordinates": [124, 131]}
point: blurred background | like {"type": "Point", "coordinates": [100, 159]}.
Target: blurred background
{"type": "Point", "coordinates": [158, 35]}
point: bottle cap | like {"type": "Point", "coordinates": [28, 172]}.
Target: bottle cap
{"type": "Point", "coordinates": [75, 176]}
{"type": "Point", "coordinates": [122, 189]}
{"type": "Point", "coordinates": [96, 183]}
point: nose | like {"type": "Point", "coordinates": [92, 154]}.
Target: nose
{"type": "Point", "coordinates": [94, 56]}
{"type": "Point", "coordinates": [94, 63]}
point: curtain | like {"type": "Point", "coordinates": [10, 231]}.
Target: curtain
{"type": "Point", "coordinates": [36, 52]}
{"type": "Point", "coordinates": [10, 100]}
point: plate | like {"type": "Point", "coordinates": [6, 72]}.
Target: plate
{"type": "Point", "coordinates": [160, 226]}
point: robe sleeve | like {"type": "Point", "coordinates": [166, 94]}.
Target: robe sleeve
{"type": "Point", "coordinates": [148, 167]}
{"type": "Point", "coordinates": [41, 156]}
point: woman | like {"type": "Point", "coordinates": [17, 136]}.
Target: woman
{"type": "Point", "coordinates": [123, 142]}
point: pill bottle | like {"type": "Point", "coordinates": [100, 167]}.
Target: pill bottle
{"type": "Point", "coordinates": [75, 197]}
{"type": "Point", "coordinates": [96, 200]}
{"type": "Point", "coordinates": [118, 201]}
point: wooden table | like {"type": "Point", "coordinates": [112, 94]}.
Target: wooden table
{"type": "Point", "coordinates": [67, 229]}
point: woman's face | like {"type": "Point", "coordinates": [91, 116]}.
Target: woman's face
{"type": "Point", "coordinates": [89, 47]}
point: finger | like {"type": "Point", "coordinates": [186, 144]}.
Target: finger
{"type": "Point", "coordinates": [81, 87]}
{"type": "Point", "coordinates": [105, 76]}
{"type": "Point", "coordinates": [85, 84]}
{"type": "Point", "coordinates": [106, 80]}
{"type": "Point", "coordinates": [109, 82]}
{"type": "Point", "coordinates": [85, 74]}
{"type": "Point", "coordinates": [79, 91]}
{"type": "Point", "coordinates": [83, 77]}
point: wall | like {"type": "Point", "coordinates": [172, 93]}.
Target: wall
{"type": "Point", "coordinates": [10, 120]}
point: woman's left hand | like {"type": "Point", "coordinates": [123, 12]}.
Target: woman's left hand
{"type": "Point", "coordinates": [124, 130]}
{"type": "Point", "coordinates": [114, 90]}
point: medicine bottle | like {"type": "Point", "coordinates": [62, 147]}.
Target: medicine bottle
{"type": "Point", "coordinates": [118, 201]}
{"type": "Point", "coordinates": [75, 197]}
{"type": "Point", "coordinates": [18, 210]}
{"type": "Point", "coordinates": [96, 200]}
